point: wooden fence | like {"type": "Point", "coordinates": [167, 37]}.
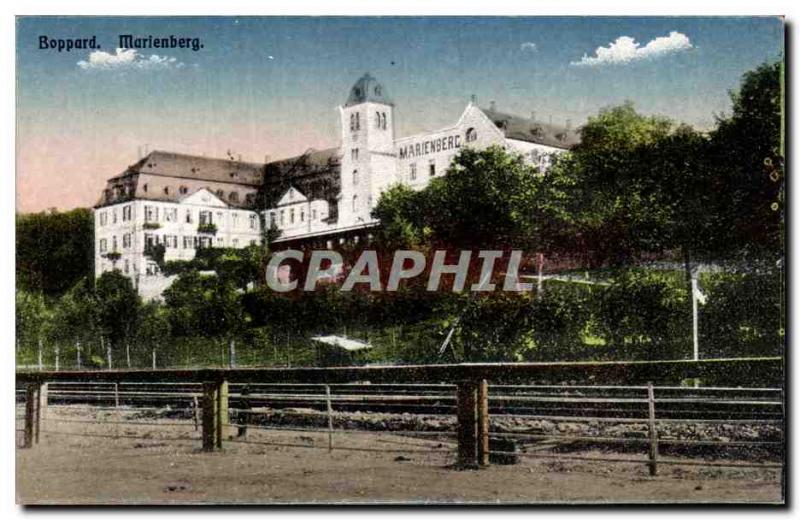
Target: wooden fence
{"type": "Point", "coordinates": [474, 394]}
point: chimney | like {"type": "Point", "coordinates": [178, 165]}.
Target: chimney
{"type": "Point", "coordinates": [492, 106]}
{"type": "Point", "coordinates": [473, 99]}
{"type": "Point", "coordinates": [569, 124]}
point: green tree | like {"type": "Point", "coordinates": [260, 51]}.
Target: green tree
{"type": "Point", "coordinates": [54, 249]}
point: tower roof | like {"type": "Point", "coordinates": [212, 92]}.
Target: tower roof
{"type": "Point", "coordinates": [367, 88]}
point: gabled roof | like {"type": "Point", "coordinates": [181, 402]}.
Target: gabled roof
{"type": "Point", "coordinates": [532, 131]}
{"type": "Point", "coordinates": [170, 164]}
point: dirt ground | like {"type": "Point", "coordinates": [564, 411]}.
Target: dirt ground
{"type": "Point", "coordinates": [167, 467]}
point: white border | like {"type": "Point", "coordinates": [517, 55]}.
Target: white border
{"type": "Point", "coordinates": [342, 7]}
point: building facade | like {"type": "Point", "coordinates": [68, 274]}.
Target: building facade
{"type": "Point", "coordinates": [321, 197]}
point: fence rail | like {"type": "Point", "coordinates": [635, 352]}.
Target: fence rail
{"type": "Point", "coordinates": [468, 417]}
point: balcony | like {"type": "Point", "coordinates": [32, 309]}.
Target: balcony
{"type": "Point", "coordinates": [210, 229]}
{"type": "Point", "coordinates": [151, 225]}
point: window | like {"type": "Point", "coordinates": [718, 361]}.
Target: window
{"type": "Point", "coordinates": [219, 216]}
{"type": "Point", "coordinates": [352, 122]}
{"type": "Point", "coordinates": [183, 190]}
{"type": "Point", "coordinates": [144, 188]}
{"type": "Point", "coordinates": [206, 217]}
{"type": "Point", "coordinates": [355, 203]}
{"type": "Point", "coordinates": [235, 220]}
{"type": "Point", "coordinates": [313, 214]}
{"type": "Point", "coordinates": [188, 216]}
{"type": "Point", "coordinates": [114, 243]}
{"type": "Point", "coordinates": [291, 216]}
{"type": "Point", "coordinates": [472, 135]}
{"type": "Point", "coordinates": [102, 245]}
{"type": "Point", "coordinates": [302, 215]}
{"type": "Point", "coordinates": [204, 242]}
{"type": "Point", "coordinates": [354, 154]}
{"type": "Point", "coordinates": [220, 242]}
{"type": "Point", "coordinates": [432, 169]}
{"type": "Point", "coordinates": [377, 90]}
{"type": "Point", "coordinates": [282, 214]}
{"type": "Point", "coordinates": [126, 241]}
{"type": "Point", "coordinates": [188, 242]}
{"type": "Point", "coordinates": [252, 242]}
{"type": "Point", "coordinates": [171, 214]}
{"type": "Point", "coordinates": [220, 194]}
{"type": "Point", "coordinates": [114, 216]}
{"type": "Point", "coordinates": [369, 201]}
{"type": "Point", "coordinates": [413, 172]}
{"type": "Point", "coordinates": [151, 269]}
{"type": "Point", "coordinates": [272, 222]}
{"type": "Point", "coordinates": [253, 221]}
{"type": "Point", "coordinates": [171, 241]}
{"type": "Point", "coordinates": [166, 190]}
{"type": "Point", "coordinates": [358, 121]}
{"type": "Point", "coordinates": [383, 120]}
{"type": "Point", "coordinates": [127, 212]}
{"type": "Point", "coordinates": [149, 240]}
{"type": "Point", "coordinates": [103, 218]}
{"type": "Point", "coordinates": [355, 177]}
{"type": "Point", "coordinates": [127, 266]}
{"type": "Point", "coordinates": [235, 242]}
{"type": "Point", "coordinates": [377, 119]}
{"type": "Point", "coordinates": [150, 214]}
{"type": "Point", "coordinates": [233, 197]}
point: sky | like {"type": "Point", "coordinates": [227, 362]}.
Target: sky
{"type": "Point", "coordinates": [269, 86]}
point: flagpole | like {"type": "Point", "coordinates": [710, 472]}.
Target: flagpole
{"type": "Point", "coordinates": [694, 318]}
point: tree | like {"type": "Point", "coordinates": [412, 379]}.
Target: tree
{"type": "Point", "coordinates": [484, 200]}
{"type": "Point", "coordinates": [118, 306]}
{"type": "Point", "coordinates": [54, 250]}
{"type": "Point", "coordinates": [747, 148]}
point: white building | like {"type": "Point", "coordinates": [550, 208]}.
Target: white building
{"type": "Point", "coordinates": [318, 198]}
{"type": "Point", "coordinates": [330, 193]}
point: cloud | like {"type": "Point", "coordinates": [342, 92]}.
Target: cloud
{"type": "Point", "coordinates": [626, 50]}
{"type": "Point", "coordinates": [528, 47]}
{"type": "Point", "coordinates": [128, 59]}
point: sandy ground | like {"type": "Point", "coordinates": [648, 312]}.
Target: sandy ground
{"type": "Point", "coordinates": [68, 467]}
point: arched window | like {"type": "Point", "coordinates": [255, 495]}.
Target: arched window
{"type": "Point", "coordinates": [472, 135]}
{"type": "Point", "coordinates": [383, 120]}
{"type": "Point", "coordinates": [352, 122]}
{"type": "Point", "coordinates": [233, 197]}
{"type": "Point", "coordinates": [355, 177]}
{"type": "Point", "coordinates": [358, 121]}
{"type": "Point", "coordinates": [377, 119]}
{"type": "Point", "coordinates": [355, 203]}
{"type": "Point", "coordinates": [184, 190]}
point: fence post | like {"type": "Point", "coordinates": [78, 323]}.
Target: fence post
{"type": "Point", "coordinates": [223, 419]}
{"type": "Point", "coordinates": [32, 413]}
{"type": "Point", "coordinates": [209, 415]}
{"type": "Point", "coordinates": [41, 366]}
{"type": "Point", "coordinates": [330, 417]}
{"type": "Point", "coordinates": [651, 406]}
{"type": "Point", "coordinates": [232, 353]}
{"type": "Point", "coordinates": [116, 394]}
{"type": "Point", "coordinates": [78, 353]}
{"type": "Point", "coordinates": [57, 359]}
{"type": "Point", "coordinates": [154, 359]}
{"type": "Point", "coordinates": [467, 426]}
{"type": "Point", "coordinates": [483, 423]}
{"type": "Point", "coordinates": [195, 412]}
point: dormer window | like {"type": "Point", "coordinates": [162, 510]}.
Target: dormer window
{"type": "Point", "coordinates": [144, 188]}
{"type": "Point", "coordinates": [220, 194]}
{"type": "Point", "coordinates": [233, 197]}
{"type": "Point", "coordinates": [183, 190]}
{"type": "Point", "coordinates": [166, 190]}
{"type": "Point", "coordinates": [357, 92]}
